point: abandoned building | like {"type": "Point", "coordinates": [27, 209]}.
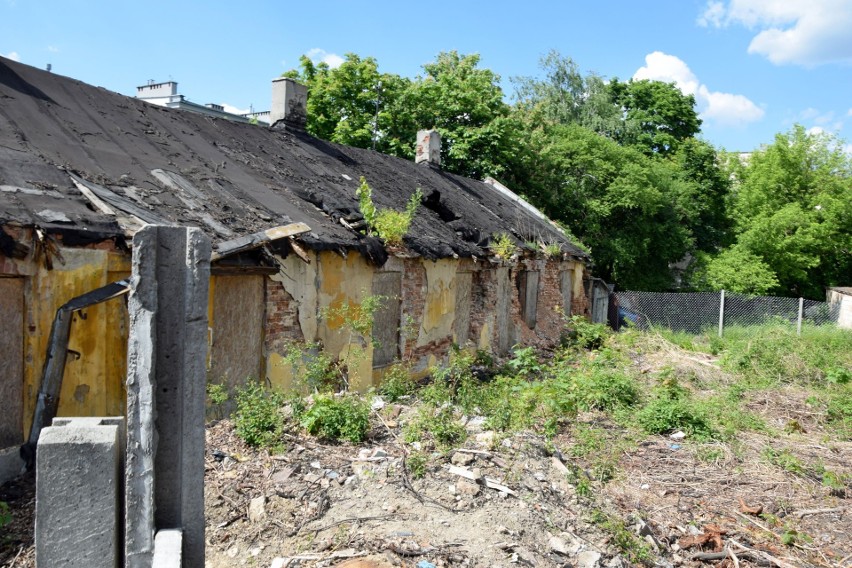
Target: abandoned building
{"type": "Point", "coordinates": [83, 168]}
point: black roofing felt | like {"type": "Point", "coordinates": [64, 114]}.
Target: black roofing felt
{"type": "Point", "coordinates": [226, 177]}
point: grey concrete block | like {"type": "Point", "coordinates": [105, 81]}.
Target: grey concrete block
{"type": "Point", "coordinates": [168, 546]}
{"type": "Point", "coordinates": [78, 495]}
{"type": "Point", "coordinates": [11, 464]}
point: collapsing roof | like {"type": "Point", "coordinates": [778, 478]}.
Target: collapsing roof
{"type": "Point", "coordinates": [88, 163]}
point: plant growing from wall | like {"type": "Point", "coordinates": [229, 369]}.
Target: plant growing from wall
{"type": "Point", "coordinates": [357, 321]}
{"type": "Point", "coordinates": [389, 224]}
{"type": "Point", "coordinates": [502, 246]}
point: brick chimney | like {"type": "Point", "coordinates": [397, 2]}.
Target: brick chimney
{"type": "Point", "coordinates": [428, 147]}
{"type": "Point", "coordinates": [289, 104]}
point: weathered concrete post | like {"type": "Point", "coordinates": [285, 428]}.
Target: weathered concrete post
{"type": "Point", "coordinates": [165, 392]}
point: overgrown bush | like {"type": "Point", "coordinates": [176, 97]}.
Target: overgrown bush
{"type": "Point", "coordinates": [397, 383]}
{"type": "Point", "coordinates": [671, 408]}
{"type": "Point", "coordinates": [258, 420]}
{"type": "Point", "coordinates": [313, 369]}
{"type": "Point", "coordinates": [439, 424]}
{"type": "Point", "coordinates": [338, 418]}
{"type": "Point", "coordinates": [582, 333]}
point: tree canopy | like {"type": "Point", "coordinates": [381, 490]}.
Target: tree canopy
{"type": "Point", "coordinates": [619, 163]}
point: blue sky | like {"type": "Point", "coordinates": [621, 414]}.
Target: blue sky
{"type": "Point", "coordinates": [756, 67]}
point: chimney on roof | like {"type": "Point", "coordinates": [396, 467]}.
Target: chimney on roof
{"type": "Point", "coordinates": [428, 147]}
{"type": "Point", "coordinates": [289, 104]}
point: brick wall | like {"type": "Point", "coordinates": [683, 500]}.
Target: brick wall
{"type": "Point", "coordinates": [282, 318]}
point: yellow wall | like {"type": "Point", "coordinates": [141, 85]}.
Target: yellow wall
{"type": "Point", "coordinates": [94, 380]}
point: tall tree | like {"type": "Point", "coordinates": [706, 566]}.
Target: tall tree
{"type": "Point", "coordinates": [628, 208]}
{"type": "Point", "coordinates": [662, 114]}
{"type": "Point", "coordinates": [792, 208]}
{"type": "Point", "coordinates": [352, 104]}
{"type": "Point", "coordinates": [464, 103]}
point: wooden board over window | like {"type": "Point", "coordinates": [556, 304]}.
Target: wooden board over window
{"type": "Point", "coordinates": [461, 324]}
{"type": "Point", "coordinates": [11, 361]}
{"type": "Point", "coordinates": [387, 318]}
{"type": "Point", "coordinates": [567, 288]}
{"type": "Point", "coordinates": [528, 292]}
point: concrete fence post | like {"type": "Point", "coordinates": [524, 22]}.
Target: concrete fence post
{"type": "Point", "coordinates": [799, 321]}
{"type": "Point", "coordinates": [721, 312]}
{"type": "Point", "coordinates": [165, 392]}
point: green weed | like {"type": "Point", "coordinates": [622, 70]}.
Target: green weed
{"type": "Point", "coordinates": [671, 408]}
{"type": "Point", "coordinates": [502, 246]}
{"type": "Point", "coordinates": [337, 418]}
{"type": "Point", "coordinates": [388, 224]}
{"type": "Point", "coordinates": [258, 420]}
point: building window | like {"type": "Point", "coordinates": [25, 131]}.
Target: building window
{"type": "Point", "coordinates": [566, 285]}
{"type": "Point", "coordinates": [528, 294]}
{"type": "Point", "coordinates": [387, 318]}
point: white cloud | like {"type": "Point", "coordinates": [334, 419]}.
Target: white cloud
{"type": "Point", "coordinates": [13, 55]}
{"type": "Point", "coordinates": [801, 32]}
{"type": "Point", "coordinates": [849, 112]}
{"type": "Point", "coordinates": [816, 130]}
{"type": "Point", "coordinates": [52, 49]}
{"type": "Point", "coordinates": [713, 15]}
{"type": "Point", "coordinates": [726, 109]}
{"type": "Point", "coordinates": [235, 110]}
{"type": "Point", "coordinates": [318, 55]}
{"type": "Point", "coordinates": [822, 121]}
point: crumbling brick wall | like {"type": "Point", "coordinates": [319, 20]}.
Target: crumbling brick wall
{"type": "Point", "coordinates": [282, 318]}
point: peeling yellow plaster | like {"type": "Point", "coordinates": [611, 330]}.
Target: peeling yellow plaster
{"type": "Point", "coordinates": [94, 379]}
{"type": "Point", "coordinates": [439, 312]}
{"type": "Point", "coordinates": [342, 280]}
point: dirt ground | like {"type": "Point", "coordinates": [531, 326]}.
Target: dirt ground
{"type": "Point", "coordinates": [519, 500]}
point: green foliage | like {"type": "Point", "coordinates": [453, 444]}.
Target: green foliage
{"type": "Point", "coordinates": [585, 334]}
{"type": "Point", "coordinates": [773, 354]}
{"type": "Point", "coordinates": [665, 116]}
{"type": "Point", "coordinates": [636, 550]}
{"type": "Point", "coordinates": [338, 418]}
{"type": "Point", "coordinates": [312, 368]}
{"type": "Point", "coordinates": [524, 362]}
{"type": "Point", "coordinates": [416, 463]}
{"type": "Point", "coordinates": [792, 208]}
{"type": "Point", "coordinates": [258, 420]}
{"type": "Point", "coordinates": [671, 408]}
{"type": "Point", "coordinates": [5, 514]}
{"type": "Point", "coordinates": [438, 424]}
{"type": "Point", "coordinates": [599, 387]}
{"type": "Point", "coordinates": [397, 383]}
{"type": "Point", "coordinates": [356, 320]}
{"type": "Point", "coordinates": [735, 269]}
{"type": "Point", "coordinates": [388, 224]}
{"type": "Point", "coordinates": [502, 246]}
{"type": "Point", "coordinates": [217, 396]}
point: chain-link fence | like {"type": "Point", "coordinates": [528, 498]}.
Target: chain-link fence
{"type": "Point", "coordinates": [700, 312]}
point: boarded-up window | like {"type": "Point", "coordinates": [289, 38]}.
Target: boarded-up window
{"type": "Point", "coordinates": [567, 287]}
{"type": "Point", "coordinates": [461, 325]}
{"type": "Point", "coordinates": [236, 330]}
{"type": "Point", "coordinates": [11, 361]}
{"type": "Point", "coordinates": [386, 319]}
{"type": "Point", "coordinates": [528, 292]}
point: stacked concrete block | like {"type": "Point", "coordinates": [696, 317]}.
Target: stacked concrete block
{"type": "Point", "coordinates": [165, 392]}
{"type": "Point", "coordinates": [79, 488]}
